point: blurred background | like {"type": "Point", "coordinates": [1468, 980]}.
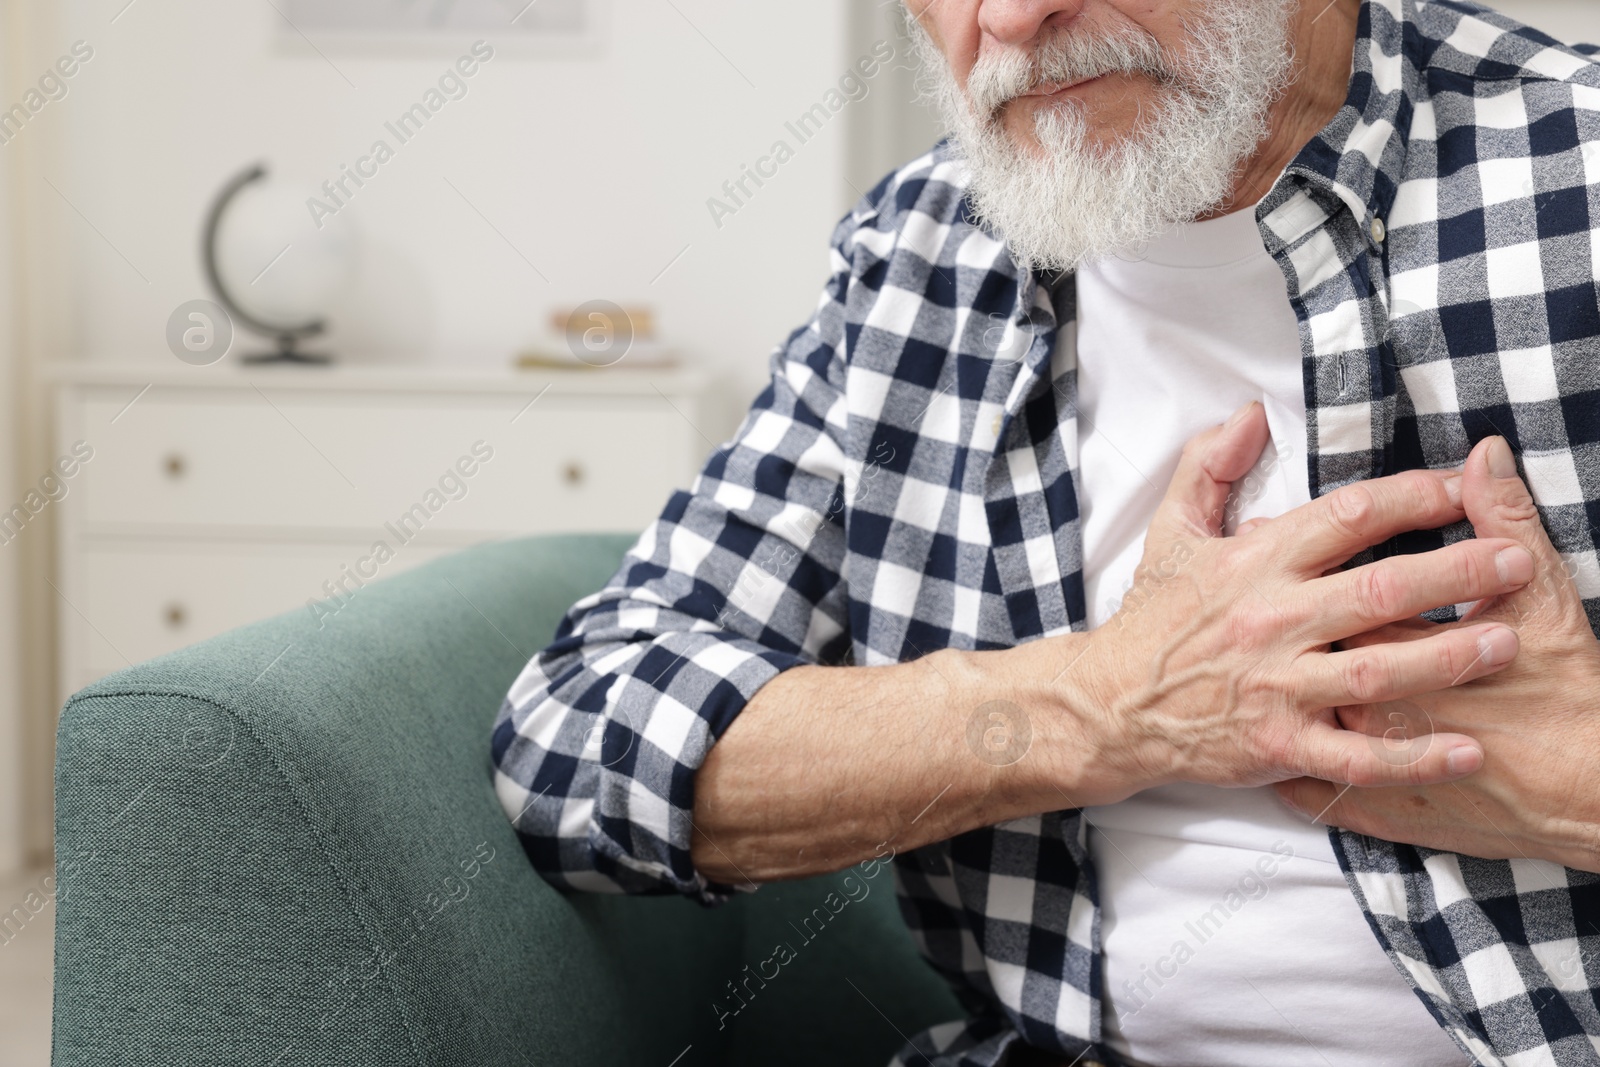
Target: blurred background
{"type": "Point", "coordinates": [550, 246]}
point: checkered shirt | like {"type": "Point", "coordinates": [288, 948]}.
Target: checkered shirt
{"type": "Point", "coordinates": [905, 483]}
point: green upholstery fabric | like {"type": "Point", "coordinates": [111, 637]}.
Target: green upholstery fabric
{"type": "Point", "coordinates": [281, 847]}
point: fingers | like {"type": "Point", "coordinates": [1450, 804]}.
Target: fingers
{"type": "Point", "coordinates": [1498, 502]}
{"type": "Point", "coordinates": [1359, 810]}
{"type": "Point", "coordinates": [1394, 723]}
{"type": "Point", "coordinates": [1332, 528]}
{"type": "Point", "coordinates": [1405, 815]}
{"type": "Point", "coordinates": [1499, 505]}
{"type": "Point", "coordinates": [1404, 630]}
{"type": "Point", "coordinates": [1317, 800]}
{"type": "Point", "coordinates": [1355, 601]}
{"type": "Point", "coordinates": [1347, 758]}
{"type": "Point", "coordinates": [1335, 805]}
{"type": "Point", "coordinates": [1375, 673]}
{"type": "Point", "coordinates": [1197, 498]}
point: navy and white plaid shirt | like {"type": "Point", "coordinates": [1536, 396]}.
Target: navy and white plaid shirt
{"type": "Point", "coordinates": [906, 483]}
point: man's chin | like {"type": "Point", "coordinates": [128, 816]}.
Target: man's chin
{"type": "Point", "coordinates": [1097, 139]}
{"type": "Point", "coordinates": [1092, 146]}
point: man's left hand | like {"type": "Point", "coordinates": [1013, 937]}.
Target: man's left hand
{"type": "Point", "coordinates": [1537, 719]}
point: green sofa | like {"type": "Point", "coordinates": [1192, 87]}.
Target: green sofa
{"type": "Point", "coordinates": [281, 847]}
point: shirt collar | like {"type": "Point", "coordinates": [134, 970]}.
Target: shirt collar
{"type": "Point", "coordinates": [1361, 154]}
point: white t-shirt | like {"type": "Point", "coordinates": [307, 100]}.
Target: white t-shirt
{"type": "Point", "coordinates": [1230, 935]}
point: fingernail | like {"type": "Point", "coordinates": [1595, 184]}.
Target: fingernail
{"type": "Point", "coordinates": [1452, 489]}
{"type": "Point", "coordinates": [1464, 760]}
{"type": "Point", "coordinates": [1238, 416]}
{"type": "Point", "coordinates": [1514, 565]}
{"type": "Point", "coordinates": [1497, 646]}
{"type": "Point", "coordinates": [1502, 464]}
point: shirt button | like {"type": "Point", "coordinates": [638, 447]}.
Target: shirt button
{"type": "Point", "coordinates": [996, 430]}
{"type": "Point", "coordinates": [1379, 230]}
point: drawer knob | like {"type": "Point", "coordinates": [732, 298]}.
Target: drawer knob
{"type": "Point", "coordinates": [573, 474]}
{"type": "Point", "coordinates": [174, 466]}
{"type": "Point", "coordinates": [175, 615]}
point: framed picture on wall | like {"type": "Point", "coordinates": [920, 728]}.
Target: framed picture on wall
{"type": "Point", "coordinates": [540, 27]}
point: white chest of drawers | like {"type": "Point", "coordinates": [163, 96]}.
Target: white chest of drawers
{"type": "Point", "coordinates": [217, 496]}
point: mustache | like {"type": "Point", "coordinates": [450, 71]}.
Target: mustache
{"type": "Point", "coordinates": [1000, 78]}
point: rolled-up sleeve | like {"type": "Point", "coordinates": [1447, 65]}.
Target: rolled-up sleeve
{"type": "Point", "coordinates": [596, 747]}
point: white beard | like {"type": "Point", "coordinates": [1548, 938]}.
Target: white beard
{"type": "Point", "coordinates": [1080, 202]}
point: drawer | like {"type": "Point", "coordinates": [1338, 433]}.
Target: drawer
{"type": "Point", "coordinates": [481, 464]}
{"type": "Point", "coordinates": [142, 601]}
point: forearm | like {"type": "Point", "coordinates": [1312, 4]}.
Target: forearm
{"type": "Point", "coordinates": [1221, 668]}
{"type": "Point", "coordinates": [827, 764]}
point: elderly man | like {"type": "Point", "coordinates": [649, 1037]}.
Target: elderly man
{"type": "Point", "coordinates": [990, 580]}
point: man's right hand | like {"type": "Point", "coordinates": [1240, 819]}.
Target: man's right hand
{"type": "Point", "coordinates": [1219, 667]}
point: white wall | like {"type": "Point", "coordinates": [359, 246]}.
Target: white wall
{"type": "Point", "coordinates": [1566, 20]}
{"type": "Point", "coordinates": [12, 721]}
{"type": "Point", "coordinates": [14, 732]}
{"type": "Point", "coordinates": [13, 785]}
{"type": "Point", "coordinates": [890, 127]}
{"type": "Point", "coordinates": [597, 170]}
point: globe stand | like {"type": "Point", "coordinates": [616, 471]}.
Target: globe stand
{"type": "Point", "coordinates": [288, 353]}
{"type": "Point", "coordinates": [286, 338]}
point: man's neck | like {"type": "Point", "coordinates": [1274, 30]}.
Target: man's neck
{"type": "Point", "coordinates": [1324, 39]}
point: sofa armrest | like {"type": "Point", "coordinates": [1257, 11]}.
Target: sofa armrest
{"type": "Point", "coordinates": [282, 847]}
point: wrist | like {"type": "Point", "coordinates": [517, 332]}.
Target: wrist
{"type": "Point", "coordinates": [1081, 754]}
{"type": "Point", "coordinates": [1570, 836]}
